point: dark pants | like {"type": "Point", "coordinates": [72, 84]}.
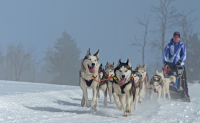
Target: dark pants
{"type": "Point", "coordinates": [184, 78]}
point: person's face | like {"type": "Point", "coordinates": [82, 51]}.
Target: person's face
{"type": "Point", "coordinates": [176, 38]}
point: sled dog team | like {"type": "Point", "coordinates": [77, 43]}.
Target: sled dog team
{"type": "Point", "coordinates": [125, 84]}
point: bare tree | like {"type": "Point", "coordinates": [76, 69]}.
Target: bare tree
{"type": "Point", "coordinates": [165, 15]}
{"type": "Point", "coordinates": [185, 22]}
{"type": "Point", "coordinates": [142, 44]}
{"type": "Point", "coordinates": [18, 60]}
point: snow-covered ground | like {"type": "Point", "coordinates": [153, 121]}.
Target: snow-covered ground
{"type": "Point", "coordinates": [42, 103]}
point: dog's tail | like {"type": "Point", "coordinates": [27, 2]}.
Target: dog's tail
{"type": "Point", "coordinates": [172, 79]}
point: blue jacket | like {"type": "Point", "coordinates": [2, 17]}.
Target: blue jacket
{"type": "Point", "coordinates": [174, 52]}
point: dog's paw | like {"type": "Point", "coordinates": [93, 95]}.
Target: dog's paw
{"type": "Point", "coordinates": [94, 109]}
{"type": "Point", "coordinates": [135, 107]}
{"type": "Point", "coordinates": [119, 107]}
{"type": "Point", "coordinates": [88, 105]}
{"type": "Point", "coordinates": [125, 115]}
{"type": "Point", "coordinates": [99, 95]}
{"type": "Point", "coordinates": [97, 104]}
{"type": "Point", "coordinates": [93, 103]}
{"type": "Point", "coordinates": [111, 101]}
{"type": "Point", "coordinates": [82, 103]}
{"type": "Point", "coordinates": [128, 111]}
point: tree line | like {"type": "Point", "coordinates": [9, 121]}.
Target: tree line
{"type": "Point", "coordinates": [61, 62]}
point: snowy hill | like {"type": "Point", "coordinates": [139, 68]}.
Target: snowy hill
{"type": "Point", "coordinates": [42, 103]}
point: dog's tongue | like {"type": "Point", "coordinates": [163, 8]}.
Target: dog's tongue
{"type": "Point", "coordinates": [121, 82]}
{"type": "Point", "coordinates": [92, 70]}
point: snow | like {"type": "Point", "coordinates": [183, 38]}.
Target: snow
{"type": "Point", "coordinates": [22, 102]}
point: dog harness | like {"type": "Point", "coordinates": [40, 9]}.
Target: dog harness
{"type": "Point", "coordinates": [137, 84]}
{"type": "Point", "coordinates": [88, 82]}
{"type": "Point", "coordinates": [122, 87]}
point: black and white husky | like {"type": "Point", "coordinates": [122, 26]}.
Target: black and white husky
{"type": "Point", "coordinates": [104, 84]}
{"type": "Point", "coordinates": [123, 87]}
{"type": "Point", "coordinates": [89, 71]}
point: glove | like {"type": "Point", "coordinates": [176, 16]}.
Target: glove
{"type": "Point", "coordinates": [179, 63]}
{"type": "Point", "coordinates": [166, 63]}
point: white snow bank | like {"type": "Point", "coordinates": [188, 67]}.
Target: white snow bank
{"type": "Point", "coordinates": [43, 103]}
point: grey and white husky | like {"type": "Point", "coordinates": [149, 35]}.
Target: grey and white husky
{"type": "Point", "coordinates": [89, 71]}
{"type": "Point", "coordinates": [145, 81]}
{"type": "Point", "coordinates": [123, 87]}
{"type": "Point", "coordinates": [109, 68]}
{"type": "Point", "coordinates": [156, 84]}
{"type": "Point", "coordinates": [138, 86]}
{"type": "Point", "coordinates": [161, 85]}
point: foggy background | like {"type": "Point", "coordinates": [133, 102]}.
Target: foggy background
{"type": "Point", "coordinates": [45, 41]}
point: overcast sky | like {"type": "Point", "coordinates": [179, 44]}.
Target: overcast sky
{"type": "Point", "coordinates": [107, 25]}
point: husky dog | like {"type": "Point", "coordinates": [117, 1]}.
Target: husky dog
{"type": "Point", "coordinates": [166, 82]}
{"type": "Point", "coordinates": [156, 84]}
{"type": "Point", "coordinates": [138, 85]}
{"type": "Point", "coordinates": [110, 72]}
{"type": "Point", "coordinates": [89, 71]}
{"type": "Point", "coordinates": [144, 80]}
{"type": "Point", "coordinates": [123, 87]}
{"type": "Point", "coordinates": [104, 84]}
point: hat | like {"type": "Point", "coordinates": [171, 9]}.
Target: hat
{"type": "Point", "coordinates": [177, 33]}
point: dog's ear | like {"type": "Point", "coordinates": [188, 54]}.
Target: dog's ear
{"type": "Point", "coordinates": [97, 54]}
{"type": "Point", "coordinates": [144, 65]}
{"type": "Point", "coordinates": [157, 72]}
{"type": "Point", "coordinates": [119, 62]}
{"type": "Point", "coordinates": [113, 63]}
{"type": "Point", "coordinates": [101, 65]}
{"type": "Point", "coordinates": [106, 63]}
{"type": "Point", "coordinates": [128, 63]}
{"type": "Point", "coordinates": [88, 52]}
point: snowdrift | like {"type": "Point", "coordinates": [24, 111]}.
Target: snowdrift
{"type": "Point", "coordinates": [22, 102]}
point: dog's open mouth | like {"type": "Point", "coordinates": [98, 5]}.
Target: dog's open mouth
{"type": "Point", "coordinates": [155, 91]}
{"type": "Point", "coordinates": [91, 69]}
{"type": "Point", "coordinates": [122, 81]}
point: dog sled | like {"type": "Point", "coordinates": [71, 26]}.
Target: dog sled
{"type": "Point", "coordinates": [177, 89]}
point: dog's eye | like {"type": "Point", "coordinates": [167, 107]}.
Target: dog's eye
{"type": "Point", "coordinates": [120, 71]}
{"type": "Point", "coordinates": [126, 70]}
{"type": "Point", "coordinates": [89, 59]}
{"type": "Point", "coordinates": [95, 60]}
